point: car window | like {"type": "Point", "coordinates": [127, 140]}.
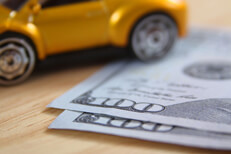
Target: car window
{"type": "Point", "coordinates": [52, 3]}
{"type": "Point", "coordinates": [13, 4]}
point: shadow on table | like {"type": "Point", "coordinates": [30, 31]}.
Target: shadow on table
{"type": "Point", "coordinates": [82, 58]}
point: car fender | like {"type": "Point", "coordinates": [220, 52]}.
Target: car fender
{"type": "Point", "coordinates": [28, 30]}
{"type": "Point", "coordinates": [123, 19]}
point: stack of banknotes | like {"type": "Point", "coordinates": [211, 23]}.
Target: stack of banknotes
{"type": "Point", "coordinates": [184, 98]}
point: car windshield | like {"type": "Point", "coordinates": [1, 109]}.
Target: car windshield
{"type": "Point", "coordinates": [13, 4]}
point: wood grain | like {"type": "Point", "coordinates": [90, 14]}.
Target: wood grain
{"type": "Point", "coordinates": [24, 118]}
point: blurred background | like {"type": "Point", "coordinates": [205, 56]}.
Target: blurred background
{"type": "Point", "coordinates": [210, 13]}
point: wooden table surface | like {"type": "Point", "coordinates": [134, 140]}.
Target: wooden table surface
{"type": "Point", "coordinates": [24, 118]}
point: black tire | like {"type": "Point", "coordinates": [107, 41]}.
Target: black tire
{"type": "Point", "coordinates": [17, 59]}
{"type": "Point", "coordinates": [153, 36]}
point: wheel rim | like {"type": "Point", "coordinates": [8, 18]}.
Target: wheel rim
{"type": "Point", "coordinates": [16, 60]}
{"type": "Point", "coordinates": [152, 36]}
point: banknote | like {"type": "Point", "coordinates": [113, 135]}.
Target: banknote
{"type": "Point", "coordinates": [141, 130]}
{"type": "Point", "coordinates": [190, 88]}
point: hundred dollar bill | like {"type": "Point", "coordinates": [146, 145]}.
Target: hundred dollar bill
{"type": "Point", "coordinates": [191, 87]}
{"type": "Point", "coordinates": [141, 130]}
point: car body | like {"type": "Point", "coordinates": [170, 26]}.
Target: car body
{"type": "Point", "coordinates": [57, 26]}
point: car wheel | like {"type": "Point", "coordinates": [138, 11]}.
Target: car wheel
{"type": "Point", "coordinates": [153, 36]}
{"type": "Point", "coordinates": [17, 60]}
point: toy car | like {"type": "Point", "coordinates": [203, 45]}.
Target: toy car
{"type": "Point", "coordinates": [31, 30]}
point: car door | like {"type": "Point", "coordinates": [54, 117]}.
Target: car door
{"type": "Point", "coordinates": [71, 24]}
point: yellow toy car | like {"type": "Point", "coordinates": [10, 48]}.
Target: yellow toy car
{"type": "Point", "coordinates": [31, 30]}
